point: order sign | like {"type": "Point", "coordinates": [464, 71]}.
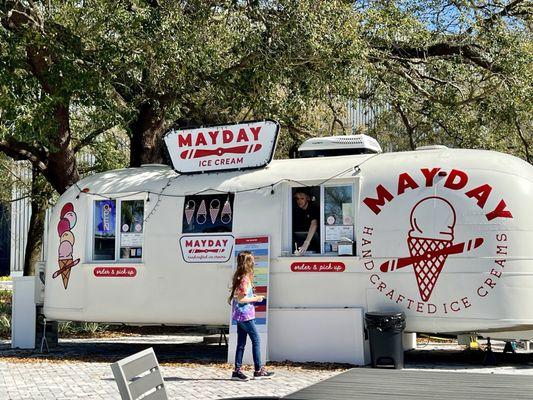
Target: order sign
{"type": "Point", "coordinates": [220, 148]}
{"type": "Point", "coordinates": [317, 267]}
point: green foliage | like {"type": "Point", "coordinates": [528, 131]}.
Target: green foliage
{"type": "Point", "coordinates": [70, 328]}
{"type": "Point", "coordinates": [5, 313]}
{"type": "Point", "coordinates": [457, 73]}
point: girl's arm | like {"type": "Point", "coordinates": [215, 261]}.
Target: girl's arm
{"type": "Point", "coordinates": [241, 293]}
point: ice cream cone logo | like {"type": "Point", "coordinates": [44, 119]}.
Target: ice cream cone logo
{"type": "Point", "coordinates": [66, 260]}
{"type": "Point", "coordinates": [432, 227]}
{"type": "Point", "coordinates": [430, 242]}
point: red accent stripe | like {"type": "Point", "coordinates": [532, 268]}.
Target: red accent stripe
{"type": "Point", "coordinates": [261, 308]}
{"type": "Point", "coordinates": [261, 239]}
{"type": "Point", "coordinates": [263, 289]}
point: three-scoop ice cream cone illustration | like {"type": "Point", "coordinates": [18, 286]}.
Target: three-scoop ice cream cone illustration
{"type": "Point", "coordinates": [67, 221]}
{"type": "Point", "coordinates": [430, 242]}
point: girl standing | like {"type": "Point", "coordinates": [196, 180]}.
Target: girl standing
{"type": "Point", "coordinates": [242, 299]}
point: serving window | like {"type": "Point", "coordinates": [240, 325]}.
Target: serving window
{"type": "Point", "coordinates": [128, 229]}
{"type": "Point", "coordinates": [323, 220]}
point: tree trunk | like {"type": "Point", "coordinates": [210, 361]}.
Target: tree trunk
{"type": "Point", "coordinates": [147, 131]}
{"type": "Point", "coordinates": [40, 193]}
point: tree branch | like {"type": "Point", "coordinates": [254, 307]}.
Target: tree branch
{"type": "Point", "coordinates": [407, 124]}
{"type": "Point", "coordinates": [18, 150]}
{"type": "Point", "coordinates": [523, 139]}
{"type": "Point", "coordinates": [443, 49]}
{"type": "Point", "coordinates": [89, 139]}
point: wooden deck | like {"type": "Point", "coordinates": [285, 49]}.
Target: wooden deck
{"type": "Point", "coordinates": [378, 383]}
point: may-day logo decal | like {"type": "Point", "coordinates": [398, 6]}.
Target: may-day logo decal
{"type": "Point", "coordinates": [67, 221]}
{"type": "Point", "coordinates": [430, 244]}
{"type": "Point", "coordinates": [440, 213]}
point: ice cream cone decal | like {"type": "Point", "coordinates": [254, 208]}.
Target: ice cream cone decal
{"type": "Point", "coordinates": [432, 227]}
{"type": "Point", "coordinates": [214, 208]}
{"type": "Point", "coordinates": [189, 211]}
{"type": "Point", "coordinates": [66, 261]}
{"type": "Point", "coordinates": [225, 217]}
{"type": "Point", "coordinates": [201, 215]}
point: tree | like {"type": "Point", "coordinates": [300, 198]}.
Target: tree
{"type": "Point", "coordinates": [458, 73]}
{"type": "Point", "coordinates": [72, 71]}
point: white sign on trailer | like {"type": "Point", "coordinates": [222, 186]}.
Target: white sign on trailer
{"type": "Point", "coordinates": [222, 148]}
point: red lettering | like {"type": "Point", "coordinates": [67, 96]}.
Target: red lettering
{"type": "Point", "coordinates": [501, 249]}
{"type": "Point", "coordinates": [367, 230]}
{"type": "Point", "coordinates": [465, 301]}
{"type": "Point", "coordinates": [383, 195]}
{"type": "Point", "coordinates": [242, 136]}
{"type": "Point", "coordinates": [452, 184]}
{"type": "Point", "coordinates": [496, 273]}
{"type": "Point", "coordinates": [184, 141]}
{"type": "Point", "coordinates": [490, 283]}
{"type": "Point", "coordinates": [405, 181]}
{"type": "Point", "coordinates": [200, 140]}
{"type": "Point", "coordinates": [429, 175]}
{"type": "Point", "coordinates": [213, 135]}
{"type": "Point", "coordinates": [188, 243]}
{"type": "Point", "coordinates": [499, 212]}
{"type": "Point", "coordinates": [481, 194]}
{"type": "Point", "coordinates": [227, 136]}
{"type": "Point", "coordinates": [455, 309]}
{"type": "Point", "coordinates": [255, 132]}
{"type": "Point", "coordinates": [501, 237]}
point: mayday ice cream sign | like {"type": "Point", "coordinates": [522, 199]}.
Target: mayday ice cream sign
{"type": "Point", "coordinates": [206, 248]}
{"type": "Point", "coordinates": [219, 148]}
{"type": "Point", "coordinates": [434, 233]}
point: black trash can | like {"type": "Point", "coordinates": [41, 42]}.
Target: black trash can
{"type": "Point", "coordinates": [385, 333]}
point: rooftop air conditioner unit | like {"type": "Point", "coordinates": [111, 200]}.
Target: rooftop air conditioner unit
{"type": "Point", "coordinates": [330, 146]}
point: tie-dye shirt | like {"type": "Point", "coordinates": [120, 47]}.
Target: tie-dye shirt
{"type": "Point", "coordinates": [243, 311]}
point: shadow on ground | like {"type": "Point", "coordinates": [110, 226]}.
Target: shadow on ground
{"type": "Point", "coordinates": [201, 353]}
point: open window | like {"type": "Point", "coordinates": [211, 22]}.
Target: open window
{"type": "Point", "coordinates": [332, 207]}
{"type": "Point", "coordinates": [306, 219]}
{"type": "Point", "coordinates": [128, 229]}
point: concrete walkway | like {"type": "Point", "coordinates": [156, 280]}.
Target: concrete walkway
{"type": "Point", "coordinates": [79, 369]}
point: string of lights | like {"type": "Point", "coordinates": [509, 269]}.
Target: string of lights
{"type": "Point", "coordinates": [162, 193]}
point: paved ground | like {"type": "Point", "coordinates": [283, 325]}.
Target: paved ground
{"type": "Point", "coordinates": [79, 369]}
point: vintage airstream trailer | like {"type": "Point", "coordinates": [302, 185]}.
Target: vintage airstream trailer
{"type": "Point", "coordinates": [444, 235]}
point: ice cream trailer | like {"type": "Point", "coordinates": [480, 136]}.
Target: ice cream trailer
{"type": "Point", "coordinates": [444, 235]}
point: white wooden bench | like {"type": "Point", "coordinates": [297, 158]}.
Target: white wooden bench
{"type": "Point", "coordinates": [139, 375]}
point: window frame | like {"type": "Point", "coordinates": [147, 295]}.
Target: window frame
{"type": "Point", "coordinates": [118, 215]}
{"type": "Point", "coordinates": [353, 182]}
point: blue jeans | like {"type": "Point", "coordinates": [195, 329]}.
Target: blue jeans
{"type": "Point", "coordinates": [247, 328]}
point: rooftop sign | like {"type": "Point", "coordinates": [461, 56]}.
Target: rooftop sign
{"type": "Point", "coordinates": [222, 148]}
